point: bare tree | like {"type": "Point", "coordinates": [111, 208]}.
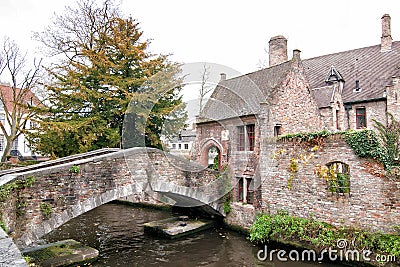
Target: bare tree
{"type": "Point", "coordinates": [17, 97]}
{"type": "Point", "coordinates": [205, 88]}
{"type": "Point", "coordinates": [263, 63]}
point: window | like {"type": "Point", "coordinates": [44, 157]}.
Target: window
{"type": "Point", "coordinates": [250, 191]}
{"type": "Point", "coordinates": [338, 177]}
{"type": "Point", "coordinates": [1, 142]}
{"type": "Point", "coordinates": [241, 138]}
{"type": "Point", "coordinates": [240, 190]}
{"type": "Point", "coordinates": [26, 147]}
{"type": "Point", "coordinates": [337, 120]}
{"type": "Point", "coordinates": [245, 190]}
{"type": "Point", "coordinates": [32, 125]}
{"type": "Point", "coordinates": [277, 130]}
{"type": "Point", "coordinates": [180, 146]}
{"type": "Point", "coordinates": [173, 146]}
{"type": "Point", "coordinates": [15, 144]}
{"type": "Point", "coordinates": [251, 136]}
{"type": "Point", "coordinates": [186, 146]}
{"type": "Point", "coordinates": [361, 118]}
{"type": "Point", "coordinates": [246, 137]}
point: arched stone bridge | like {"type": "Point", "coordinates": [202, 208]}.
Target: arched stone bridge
{"type": "Point", "coordinates": [67, 190]}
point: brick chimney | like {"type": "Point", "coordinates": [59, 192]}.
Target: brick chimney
{"type": "Point", "coordinates": [223, 77]}
{"type": "Point", "coordinates": [386, 39]}
{"type": "Point", "coordinates": [277, 50]}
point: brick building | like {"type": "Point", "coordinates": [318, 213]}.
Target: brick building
{"type": "Point", "coordinates": [336, 92]}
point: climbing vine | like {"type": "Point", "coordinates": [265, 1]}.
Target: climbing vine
{"type": "Point", "coordinates": [301, 154]}
{"type": "Point", "coordinates": [365, 144]}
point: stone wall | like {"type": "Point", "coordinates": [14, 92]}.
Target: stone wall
{"type": "Point", "coordinates": [9, 253]}
{"type": "Point", "coordinates": [241, 216]}
{"type": "Point", "coordinates": [373, 202]}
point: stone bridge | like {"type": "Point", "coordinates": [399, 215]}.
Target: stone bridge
{"type": "Point", "coordinates": [61, 191]}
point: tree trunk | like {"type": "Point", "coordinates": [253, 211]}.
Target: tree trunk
{"type": "Point", "coordinates": [7, 149]}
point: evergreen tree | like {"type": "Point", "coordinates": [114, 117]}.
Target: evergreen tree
{"type": "Point", "coordinates": [105, 68]}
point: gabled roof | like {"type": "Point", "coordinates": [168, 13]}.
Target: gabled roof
{"type": "Point", "coordinates": [333, 76]}
{"type": "Point", "coordinates": [241, 96]}
{"type": "Point", "coordinates": [323, 96]}
{"type": "Point", "coordinates": [6, 92]}
{"type": "Point", "coordinates": [374, 70]}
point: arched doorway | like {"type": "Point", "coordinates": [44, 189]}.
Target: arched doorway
{"type": "Point", "coordinates": [211, 155]}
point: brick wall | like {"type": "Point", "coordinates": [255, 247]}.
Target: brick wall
{"type": "Point", "coordinates": [393, 98]}
{"type": "Point", "coordinates": [375, 110]}
{"type": "Point", "coordinates": [292, 106]}
{"type": "Point", "coordinates": [374, 202]}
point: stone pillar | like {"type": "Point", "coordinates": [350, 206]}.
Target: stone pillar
{"type": "Point", "coordinates": [277, 50]}
{"type": "Point", "coordinates": [386, 39]}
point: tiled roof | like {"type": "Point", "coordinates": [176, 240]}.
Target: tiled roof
{"type": "Point", "coordinates": [7, 95]}
{"type": "Point", "coordinates": [374, 69]}
{"type": "Point", "coordinates": [323, 96]}
{"type": "Point", "coordinates": [241, 96]}
{"type": "Point", "coordinates": [369, 65]}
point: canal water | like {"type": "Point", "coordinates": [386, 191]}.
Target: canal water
{"type": "Point", "coordinates": [116, 231]}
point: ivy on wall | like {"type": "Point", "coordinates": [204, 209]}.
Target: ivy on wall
{"type": "Point", "coordinates": [366, 144]}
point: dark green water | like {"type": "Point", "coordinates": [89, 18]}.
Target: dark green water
{"type": "Point", "coordinates": [117, 232]}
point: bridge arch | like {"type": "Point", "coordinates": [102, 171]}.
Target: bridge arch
{"type": "Point", "coordinates": [141, 174]}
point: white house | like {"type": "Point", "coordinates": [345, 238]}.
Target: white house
{"type": "Point", "coordinates": [8, 98]}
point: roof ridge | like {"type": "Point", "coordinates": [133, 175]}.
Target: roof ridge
{"type": "Point", "coordinates": [256, 71]}
{"type": "Point", "coordinates": [346, 51]}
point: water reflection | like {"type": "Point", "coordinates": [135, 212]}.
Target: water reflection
{"type": "Point", "coordinates": [117, 232]}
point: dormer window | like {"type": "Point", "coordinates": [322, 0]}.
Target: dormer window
{"type": "Point", "coordinates": [333, 76]}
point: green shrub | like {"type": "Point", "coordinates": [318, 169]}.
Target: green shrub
{"type": "Point", "coordinates": [282, 226]}
{"type": "Point", "coordinates": [75, 169]}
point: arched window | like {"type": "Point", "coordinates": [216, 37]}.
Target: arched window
{"type": "Point", "coordinates": [338, 177]}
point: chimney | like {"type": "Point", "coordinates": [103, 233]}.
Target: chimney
{"type": "Point", "coordinates": [296, 54]}
{"type": "Point", "coordinates": [223, 77]}
{"type": "Point", "coordinates": [386, 39]}
{"type": "Point", "coordinates": [277, 50]}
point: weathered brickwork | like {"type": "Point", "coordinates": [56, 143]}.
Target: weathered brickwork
{"type": "Point", "coordinates": [303, 96]}
{"type": "Point", "coordinates": [375, 111]}
{"type": "Point", "coordinates": [292, 106]}
{"type": "Point", "coordinates": [139, 173]}
{"type": "Point", "coordinates": [244, 162]}
{"type": "Point", "coordinates": [373, 203]}
{"type": "Point", "coordinates": [241, 216]}
{"type": "Point", "coordinates": [393, 98]}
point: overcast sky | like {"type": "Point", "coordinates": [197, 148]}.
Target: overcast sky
{"type": "Point", "coordinates": [230, 33]}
